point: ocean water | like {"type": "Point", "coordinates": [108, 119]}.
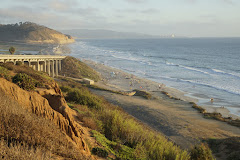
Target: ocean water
{"type": "Point", "coordinates": [203, 68]}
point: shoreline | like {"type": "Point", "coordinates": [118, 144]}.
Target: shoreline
{"type": "Point", "coordinates": [110, 76]}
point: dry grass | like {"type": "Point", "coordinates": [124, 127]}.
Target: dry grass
{"type": "Point", "coordinates": [36, 135]}
{"type": "Point", "coordinates": [22, 151]}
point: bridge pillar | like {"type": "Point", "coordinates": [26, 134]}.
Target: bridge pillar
{"type": "Point", "coordinates": [60, 65]}
{"type": "Point", "coordinates": [53, 68]}
{"type": "Point", "coordinates": [56, 67]}
{"type": "Point", "coordinates": [48, 67]}
{"type": "Point", "coordinates": [38, 66]}
{"type": "Point", "coordinates": [45, 66]}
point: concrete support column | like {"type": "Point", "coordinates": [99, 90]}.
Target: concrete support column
{"type": "Point", "coordinates": [38, 66]}
{"type": "Point", "coordinates": [45, 66]}
{"type": "Point", "coordinates": [53, 74]}
{"type": "Point", "coordinates": [60, 65]}
{"type": "Point", "coordinates": [29, 63]}
{"type": "Point", "coordinates": [56, 67]}
{"type": "Point", "coordinates": [48, 67]}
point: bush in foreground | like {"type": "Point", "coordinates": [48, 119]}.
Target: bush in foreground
{"type": "Point", "coordinates": [4, 73]}
{"type": "Point", "coordinates": [100, 152]}
{"type": "Point", "coordinates": [201, 152]}
{"type": "Point", "coordinates": [84, 97]}
{"type": "Point", "coordinates": [24, 81]}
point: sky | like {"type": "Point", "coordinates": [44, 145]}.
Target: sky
{"type": "Point", "coordinates": [191, 18]}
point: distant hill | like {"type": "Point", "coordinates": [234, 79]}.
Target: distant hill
{"type": "Point", "coordinates": [105, 34]}
{"type": "Point", "coordinates": [32, 33]}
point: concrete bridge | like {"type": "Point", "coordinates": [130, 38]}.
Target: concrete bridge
{"type": "Point", "coordinates": [46, 63]}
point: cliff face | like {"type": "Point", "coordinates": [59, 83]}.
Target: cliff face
{"type": "Point", "coordinates": [50, 105]}
{"type": "Point", "coordinates": [32, 33]}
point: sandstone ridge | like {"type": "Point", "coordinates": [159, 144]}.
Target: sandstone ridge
{"type": "Point", "coordinates": [32, 33]}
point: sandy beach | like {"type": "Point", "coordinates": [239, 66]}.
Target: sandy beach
{"type": "Point", "coordinates": [174, 117]}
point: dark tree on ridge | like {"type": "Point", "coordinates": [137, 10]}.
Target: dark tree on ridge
{"type": "Point", "coordinates": [12, 50]}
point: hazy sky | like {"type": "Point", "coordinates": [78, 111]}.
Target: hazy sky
{"type": "Point", "coordinates": [196, 18]}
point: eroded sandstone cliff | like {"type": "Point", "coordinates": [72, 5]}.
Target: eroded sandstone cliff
{"type": "Point", "coordinates": [49, 104]}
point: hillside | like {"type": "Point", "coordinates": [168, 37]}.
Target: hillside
{"type": "Point", "coordinates": [32, 33]}
{"type": "Point", "coordinates": [105, 34]}
{"type": "Point", "coordinates": [77, 69]}
{"type": "Point", "coordinates": [40, 120]}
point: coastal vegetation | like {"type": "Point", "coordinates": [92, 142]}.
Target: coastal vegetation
{"type": "Point", "coordinates": [72, 67]}
{"type": "Point", "coordinates": [216, 116]}
{"type": "Point", "coordinates": [120, 134]}
{"type": "Point", "coordinates": [24, 76]}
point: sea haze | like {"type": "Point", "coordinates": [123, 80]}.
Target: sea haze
{"type": "Point", "coordinates": [204, 68]}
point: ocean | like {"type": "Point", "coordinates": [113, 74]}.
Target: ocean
{"type": "Point", "coordinates": [202, 68]}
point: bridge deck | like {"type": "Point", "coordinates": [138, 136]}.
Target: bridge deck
{"type": "Point", "coordinates": [45, 57]}
{"type": "Point", "coordinates": [46, 63]}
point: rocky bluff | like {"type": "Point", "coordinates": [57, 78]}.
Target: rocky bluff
{"type": "Point", "coordinates": [32, 33]}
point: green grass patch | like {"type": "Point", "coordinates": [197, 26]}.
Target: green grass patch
{"type": "Point", "coordinates": [117, 149]}
{"type": "Point", "coordinates": [84, 97]}
{"type": "Point", "coordinates": [72, 67]}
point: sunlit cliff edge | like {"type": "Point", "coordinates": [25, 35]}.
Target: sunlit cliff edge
{"type": "Point", "coordinates": [32, 33]}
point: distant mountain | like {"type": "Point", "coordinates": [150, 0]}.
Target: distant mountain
{"type": "Point", "coordinates": [104, 34]}
{"type": "Point", "coordinates": [32, 33]}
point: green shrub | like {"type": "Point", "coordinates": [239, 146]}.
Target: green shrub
{"type": "Point", "coordinates": [201, 152]}
{"type": "Point", "coordinates": [24, 81]}
{"type": "Point", "coordinates": [83, 97]}
{"type": "Point", "coordinates": [40, 78]}
{"type": "Point", "coordinates": [100, 152]}
{"type": "Point", "coordinates": [120, 151]}
{"type": "Point", "coordinates": [65, 88]}
{"type": "Point", "coordinates": [4, 73]}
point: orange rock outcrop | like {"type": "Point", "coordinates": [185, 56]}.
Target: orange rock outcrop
{"type": "Point", "coordinates": [50, 105]}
